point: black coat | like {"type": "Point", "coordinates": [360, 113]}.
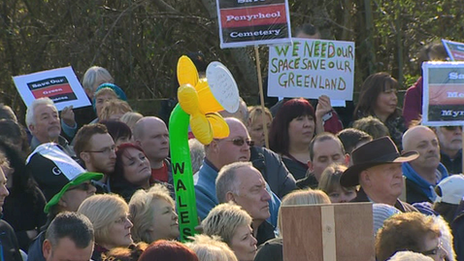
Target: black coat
{"type": "Point", "coordinates": [8, 243]}
{"type": "Point", "coordinates": [457, 227]}
{"type": "Point", "coordinates": [400, 205]}
{"type": "Point", "coordinates": [274, 171]}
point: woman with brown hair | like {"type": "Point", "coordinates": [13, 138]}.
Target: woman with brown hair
{"type": "Point", "coordinates": [330, 184]}
{"type": "Point", "coordinates": [378, 98]}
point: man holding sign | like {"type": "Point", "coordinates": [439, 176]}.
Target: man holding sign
{"type": "Point", "coordinates": [43, 121]}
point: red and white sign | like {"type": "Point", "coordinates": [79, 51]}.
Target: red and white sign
{"type": "Point", "coordinates": [253, 22]}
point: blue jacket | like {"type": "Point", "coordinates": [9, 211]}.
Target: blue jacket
{"type": "Point", "coordinates": [35, 248]}
{"type": "Point", "coordinates": [205, 193]}
{"type": "Point", "coordinates": [417, 188]}
{"type": "Point", "coordinates": [205, 189]}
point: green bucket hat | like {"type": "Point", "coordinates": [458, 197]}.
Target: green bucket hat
{"type": "Point", "coordinates": [86, 176]}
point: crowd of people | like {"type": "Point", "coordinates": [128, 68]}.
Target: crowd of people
{"type": "Point", "coordinates": [96, 183]}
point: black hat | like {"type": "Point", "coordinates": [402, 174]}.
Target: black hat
{"type": "Point", "coordinates": [55, 171]}
{"type": "Point", "coordinates": [377, 152]}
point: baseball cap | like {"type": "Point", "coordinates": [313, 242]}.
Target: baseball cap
{"type": "Point", "coordinates": [55, 172]}
{"type": "Point", "coordinates": [450, 189]}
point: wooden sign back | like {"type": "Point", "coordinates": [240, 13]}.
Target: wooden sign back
{"type": "Point", "coordinates": [332, 232]}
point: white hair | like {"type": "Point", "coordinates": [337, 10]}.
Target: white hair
{"type": "Point", "coordinates": [446, 237]}
{"type": "Point", "coordinates": [96, 74]}
{"type": "Point", "coordinates": [197, 154]}
{"type": "Point", "coordinates": [30, 117]}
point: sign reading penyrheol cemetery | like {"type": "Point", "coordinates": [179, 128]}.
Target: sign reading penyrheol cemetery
{"type": "Point", "coordinates": [443, 99]}
{"type": "Point", "coordinates": [61, 85]}
{"type": "Point", "coordinates": [253, 22]}
{"type": "Point", "coordinates": [311, 68]}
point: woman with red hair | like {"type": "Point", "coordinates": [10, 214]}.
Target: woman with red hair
{"type": "Point", "coordinates": [291, 132]}
{"type": "Point", "coordinates": [131, 172]}
{"type": "Point", "coordinates": [168, 250]}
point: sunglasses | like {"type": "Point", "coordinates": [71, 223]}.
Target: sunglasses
{"type": "Point", "coordinates": [84, 186]}
{"type": "Point", "coordinates": [240, 141]}
{"type": "Point", "coordinates": [452, 128]}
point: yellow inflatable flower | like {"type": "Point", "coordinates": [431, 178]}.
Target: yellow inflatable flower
{"type": "Point", "coordinates": [197, 100]}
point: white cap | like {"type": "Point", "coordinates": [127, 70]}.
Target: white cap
{"type": "Point", "coordinates": [451, 189]}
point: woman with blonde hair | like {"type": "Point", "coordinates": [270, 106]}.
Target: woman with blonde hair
{"type": "Point", "coordinates": [211, 248]}
{"type": "Point", "coordinates": [154, 215]}
{"type": "Point", "coordinates": [232, 224]}
{"type": "Point", "coordinates": [272, 249]}
{"type": "Point", "coordinates": [130, 118]}
{"type": "Point", "coordinates": [109, 216]}
{"type": "Point", "coordinates": [330, 184]}
{"type": "Point", "coordinates": [101, 96]}
{"type": "Point", "coordinates": [255, 123]}
{"type": "Point", "coordinates": [113, 110]}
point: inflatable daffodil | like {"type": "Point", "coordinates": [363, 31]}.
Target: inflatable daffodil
{"type": "Point", "coordinates": [203, 98]}
{"type": "Point", "coordinates": [199, 102]}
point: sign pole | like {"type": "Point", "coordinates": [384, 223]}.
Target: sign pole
{"type": "Point", "coordinates": [261, 97]}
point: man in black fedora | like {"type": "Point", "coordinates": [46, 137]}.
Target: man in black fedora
{"type": "Point", "coordinates": [377, 168]}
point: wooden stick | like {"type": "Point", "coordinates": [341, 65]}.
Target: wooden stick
{"type": "Point", "coordinates": [329, 243]}
{"type": "Point", "coordinates": [261, 97]}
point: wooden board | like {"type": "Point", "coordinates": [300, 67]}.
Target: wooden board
{"type": "Point", "coordinates": [334, 232]}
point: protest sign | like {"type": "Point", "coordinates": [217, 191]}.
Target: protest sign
{"type": "Point", "coordinates": [443, 98]}
{"type": "Point", "coordinates": [61, 85]}
{"type": "Point", "coordinates": [455, 50]}
{"type": "Point", "coordinates": [311, 68]}
{"type": "Point", "coordinates": [253, 22]}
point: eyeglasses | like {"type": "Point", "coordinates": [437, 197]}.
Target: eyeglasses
{"type": "Point", "coordinates": [452, 128]}
{"type": "Point", "coordinates": [240, 141]}
{"type": "Point", "coordinates": [106, 150]}
{"type": "Point", "coordinates": [84, 187]}
{"type": "Point", "coordinates": [431, 252]}
{"type": "Point", "coordinates": [438, 250]}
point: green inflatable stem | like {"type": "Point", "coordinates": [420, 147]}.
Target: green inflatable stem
{"type": "Point", "coordinates": [182, 173]}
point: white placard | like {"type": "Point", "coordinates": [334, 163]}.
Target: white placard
{"type": "Point", "coordinates": [310, 68]}
{"type": "Point", "coordinates": [61, 85]}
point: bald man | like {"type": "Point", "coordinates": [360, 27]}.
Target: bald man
{"type": "Point", "coordinates": [151, 134]}
{"type": "Point", "coordinates": [423, 173]}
